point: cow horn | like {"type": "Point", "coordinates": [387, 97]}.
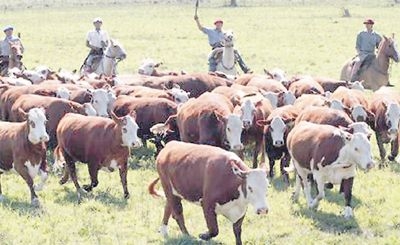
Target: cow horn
{"type": "Point", "coordinates": [236, 170]}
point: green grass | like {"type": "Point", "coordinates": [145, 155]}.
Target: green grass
{"type": "Point", "coordinates": [299, 39]}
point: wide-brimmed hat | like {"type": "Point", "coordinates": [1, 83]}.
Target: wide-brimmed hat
{"type": "Point", "coordinates": [369, 21]}
{"type": "Point", "coordinates": [6, 28]}
{"type": "Point", "coordinates": [97, 20]}
{"type": "Point", "coordinates": [218, 21]}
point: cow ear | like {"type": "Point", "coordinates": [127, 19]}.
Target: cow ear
{"type": "Point", "coordinates": [236, 170]}
{"type": "Point", "coordinates": [133, 114]}
{"type": "Point", "coordinates": [258, 103]}
{"type": "Point", "coordinates": [348, 130]}
{"type": "Point", "coordinates": [219, 116]}
{"type": "Point", "coordinates": [346, 136]}
{"type": "Point", "coordinates": [115, 118]}
{"type": "Point", "coordinates": [23, 113]}
{"type": "Point", "coordinates": [158, 64]}
{"type": "Point", "coordinates": [262, 123]}
{"type": "Point", "coordinates": [268, 73]}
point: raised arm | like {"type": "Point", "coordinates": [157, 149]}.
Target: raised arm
{"type": "Point", "coordinates": [196, 18]}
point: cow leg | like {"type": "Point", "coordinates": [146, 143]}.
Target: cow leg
{"type": "Point", "coordinates": [395, 150]}
{"type": "Point", "coordinates": [23, 171]}
{"type": "Point", "coordinates": [321, 191]}
{"type": "Point", "coordinates": [43, 172]}
{"type": "Point", "coordinates": [382, 151]}
{"type": "Point", "coordinates": [284, 163]}
{"type": "Point", "coordinates": [211, 220]}
{"type": "Point", "coordinates": [237, 230]}
{"type": "Point", "coordinates": [167, 214]}
{"type": "Point", "coordinates": [296, 193]}
{"type": "Point", "coordinates": [271, 167]}
{"type": "Point", "coordinates": [65, 176]}
{"type": "Point", "coordinates": [70, 164]}
{"type": "Point", "coordinates": [1, 191]}
{"type": "Point", "coordinates": [256, 152]}
{"type": "Point", "coordinates": [93, 173]}
{"type": "Point", "coordinates": [177, 213]}
{"type": "Point", "coordinates": [123, 172]}
{"type": "Point", "coordinates": [347, 185]}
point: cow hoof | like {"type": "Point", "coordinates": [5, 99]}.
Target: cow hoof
{"type": "Point", "coordinates": [285, 179]}
{"type": "Point", "coordinates": [391, 158]}
{"type": "Point", "coordinates": [127, 195]}
{"type": "Point", "coordinates": [163, 230]}
{"type": "Point", "coordinates": [38, 187]}
{"type": "Point", "coordinates": [348, 212]}
{"type": "Point", "coordinates": [35, 202]}
{"type": "Point", "coordinates": [205, 236]}
{"type": "Point", "coordinates": [313, 204]}
{"type": "Point", "coordinates": [62, 181]}
{"type": "Point", "coordinates": [87, 188]}
{"type": "Point", "coordinates": [329, 186]}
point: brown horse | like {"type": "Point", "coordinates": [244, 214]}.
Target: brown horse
{"type": "Point", "coordinates": [15, 59]}
{"type": "Point", "coordinates": [375, 75]}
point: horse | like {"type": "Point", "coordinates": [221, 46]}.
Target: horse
{"type": "Point", "coordinates": [113, 54]}
{"type": "Point", "coordinates": [376, 74]}
{"type": "Point", "coordinates": [15, 58]}
{"type": "Point", "coordinates": [227, 63]}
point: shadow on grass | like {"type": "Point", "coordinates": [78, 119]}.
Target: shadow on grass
{"type": "Point", "coordinates": [22, 208]}
{"type": "Point", "coordinates": [188, 240]}
{"type": "Point", "coordinates": [142, 158]}
{"type": "Point", "coordinates": [104, 197]}
{"type": "Point", "coordinates": [331, 222]}
{"type": "Point", "coordinates": [278, 183]}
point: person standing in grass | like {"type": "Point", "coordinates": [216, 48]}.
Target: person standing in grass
{"type": "Point", "coordinates": [215, 39]}
{"type": "Point", "coordinates": [5, 50]}
{"type": "Point", "coordinates": [97, 40]}
{"type": "Point", "coordinates": [366, 43]}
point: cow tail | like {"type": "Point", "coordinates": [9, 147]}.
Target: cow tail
{"type": "Point", "coordinates": [153, 191]}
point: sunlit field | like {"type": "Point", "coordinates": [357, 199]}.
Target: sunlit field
{"type": "Point", "coordinates": [301, 39]}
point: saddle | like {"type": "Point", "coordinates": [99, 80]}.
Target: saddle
{"type": "Point", "coordinates": [365, 63]}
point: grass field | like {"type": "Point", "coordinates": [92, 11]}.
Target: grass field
{"type": "Point", "coordinates": [310, 39]}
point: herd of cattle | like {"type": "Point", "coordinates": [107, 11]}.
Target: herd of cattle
{"type": "Point", "coordinates": [318, 127]}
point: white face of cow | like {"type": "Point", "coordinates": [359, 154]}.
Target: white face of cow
{"type": "Point", "coordinates": [63, 93]}
{"type": "Point", "coordinates": [34, 76]}
{"type": "Point", "coordinates": [233, 130]}
{"type": "Point", "coordinates": [273, 98]}
{"type": "Point", "coordinates": [248, 110]}
{"type": "Point", "coordinates": [277, 129]}
{"type": "Point", "coordinates": [392, 119]}
{"type": "Point", "coordinates": [357, 85]}
{"type": "Point", "coordinates": [37, 126]}
{"type": "Point", "coordinates": [44, 71]}
{"type": "Point", "coordinates": [257, 184]}
{"type": "Point", "coordinates": [111, 99]}
{"type": "Point", "coordinates": [361, 127]}
{"type": "Point", "coordinates": [358, 150]}
{"type": "Point", "coordinates": [337, 105]}
{"type": "Point", "coordinates": [289, 98]}
{"type": "Point", "coordinates": [180, 95]}
{"type": "Point", "coordinates": [358, 113]}
{"type": "Point", "coordinates": [279, 75]}
{"type": "Point", "coordinates": [100, 100]}
{"type": "Point", "coordinates": [147, 67]}
{"type": "Point", "coordinates": [129, 132]}
{"type": "Point", "coordinates": [89, 109]}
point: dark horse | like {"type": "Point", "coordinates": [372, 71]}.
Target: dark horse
{"type": "Point", "coordinates": [376, 74]}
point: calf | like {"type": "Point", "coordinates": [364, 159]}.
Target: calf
{"type": "Point", "coordinates": [330, 155]}
{"type": "Point", "coordinates": [22, 147]}
{"type": "Point", "coordinates": [102, 143]}
{"type": "Point", "coordinates": [277, 126]}
{"type": "Point", "coordinates": [212, 177]}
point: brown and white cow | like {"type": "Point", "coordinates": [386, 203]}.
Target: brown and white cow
{"type": "Point", "coordinates": [356, 101]}
{"type": "Point", "coordinates": [102, 143]}
{"type": "Point", "coordinates": [22, 147]}
{"type": "Point", "coordinates": [386, 123]}
{"type": "Point", "coordinates": [212, 177]}
{"type": "Point", "coordinates": [330, 155]}
{"type": "Point", "coordinates": [209, 119]}
{"type": "Point", "coordinates": [305, 86]}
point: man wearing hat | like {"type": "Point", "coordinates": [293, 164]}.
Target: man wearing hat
{"type": "Point", "coordinates": [5, 50]}
{"type": "Point", "coordinates": [97, 41]}
{"type": "Point", "coordinates": [367, 41]}
{"type": "Point", "coordinates": [215, 39]}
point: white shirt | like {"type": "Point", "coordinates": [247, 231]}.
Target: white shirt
{"type": "Point", "coordinates": [95, 37]}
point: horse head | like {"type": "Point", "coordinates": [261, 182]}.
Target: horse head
{"type": "Point", "coordinates": [16, 53]}
{"type": "Point", "coordinates": [389, 47]}
{"type": "Point", "coordinates": [228, 39]}
{"type": "Point", "coordinates": [115, 50]}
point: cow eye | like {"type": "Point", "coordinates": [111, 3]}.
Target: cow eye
{"type": "Point", "coordinates": [32, 124]}
{"type": "Point", "coordinates": [229, 129]}
{"type": "Point", "coordinates": [356, 149]}
{"type": "Point", "coordinates": [124, 130]}
{"type": "Point", "coordinates": [250, 189]}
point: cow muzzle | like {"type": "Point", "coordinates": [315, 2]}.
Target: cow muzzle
{"type": "Point", "coordinates": [138, 143]}
{"type": "Point", "coordinates": [44, 138]}
{"type": "Point", "coordinates": [278, 143]}
{"type": "Point", "coordinates": [262, 211]}
{"type": "Point", "coordinates": [238, 147]}
{"type": "Point", "coordinates": [246, 124]}
{"type": "Point", "coordinates": [369, 166]}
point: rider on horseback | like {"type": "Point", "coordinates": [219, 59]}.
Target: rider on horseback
{"type": "Point", "coordinates": [215, 39]}
{"type": "Point", "coordinates": [367, 41]}
{"type": "Point", "coordinates": [97, 40]}
{"type": "Point", "coordinates": [5, 50]}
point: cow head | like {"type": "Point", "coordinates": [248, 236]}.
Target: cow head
{"type": "Point", "coordinates": [180, 96]}
{"type": "Point", "coordinates": [358, 85]}
{"type": "Point", "coordinates": [36, 120]}
{"type": "Point", "coordinates": [33, 76]}
{"type": "Point", "coordinates": [248, 110]}
{"type": "Point", "coordinates": [278, 75]}
{"type": "Point", "coordinates": [360, 114]}
{"type": "Point", "coordinates": [129, 129]}
{"type": "Point", "coordinates": [101, 99]}
{"type": "Point", "coordinates": [116, 50]}
{"type": "Point", "coordinates": [356, 149]}
{"type": "Point", "coordinates": [392, 117]}
{"type": "Point", "coordinates": [233, 130]}
{"type": "Point", "coordinates": [148, 67]}
{"type": "Point", "coordinates": [272, 97]}
{"type": "Point", "coordinates": [63, 93]}
{"type": "Point", "coordinates": [359, 127]}
{"type": "Point", "coordinates": [277, 127]}
{"type": "Point", "coordinates": [254, 187]}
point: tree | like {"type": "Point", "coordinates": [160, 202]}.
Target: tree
{"type": "Point", "coordinates": [233, 3]}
